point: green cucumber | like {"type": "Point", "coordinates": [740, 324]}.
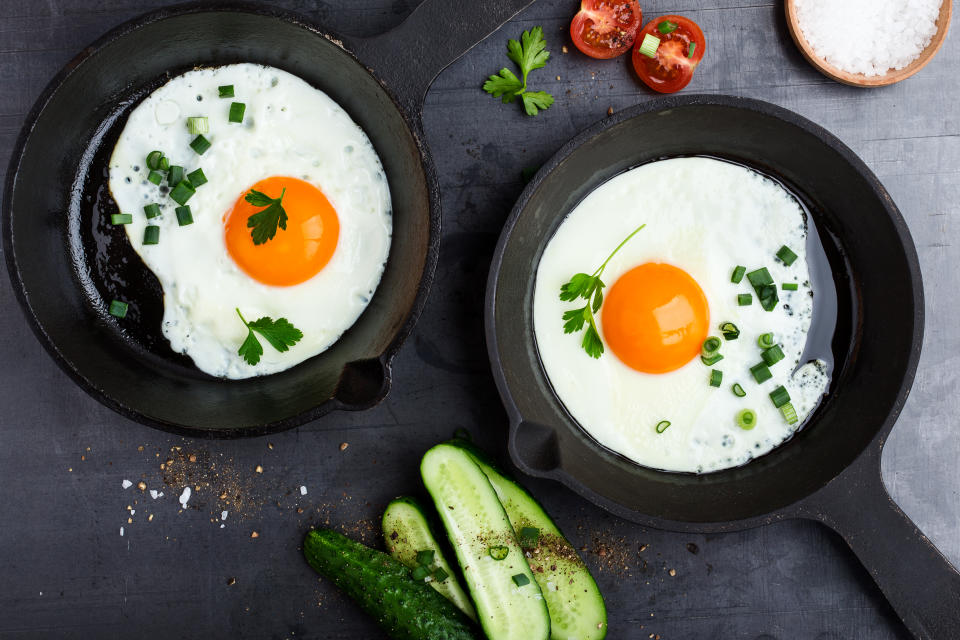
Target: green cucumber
{"type": "Point", "coordinates": [576, 606]}
{"type": "Point", "coordinates": [507, 598]}
{"type": "Point", "coordinates": [405, 608]}
{"type": "Point", "coordinates": [406, 531]}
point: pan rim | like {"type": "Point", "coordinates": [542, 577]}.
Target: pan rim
{"type": "Point", "coordinates": [663, 104]}
{"type": "Point", "coordinates": [410, 116]}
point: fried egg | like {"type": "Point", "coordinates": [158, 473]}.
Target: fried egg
{"type": "Point", "coordinates": [668, 289]}
{"type": "Point", "coordinates": [294, 142]}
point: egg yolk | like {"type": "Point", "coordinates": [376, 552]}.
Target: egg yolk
{"type": "Point", "coordinates": [294, 254]}
{"type": "Point", "coordinates": [655, 318]}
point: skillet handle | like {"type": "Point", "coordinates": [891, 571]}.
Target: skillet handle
{"type": "Point", "coordinates": [438, 32]}
{"type": "Point", "coordinates": [921, 585]}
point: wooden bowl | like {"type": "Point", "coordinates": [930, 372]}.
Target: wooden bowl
{"type": "Point", "coordinates": [858, 79]}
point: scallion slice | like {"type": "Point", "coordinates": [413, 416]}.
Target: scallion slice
{"type": "Point", "coordinates": [730, 331]}
{"type": "Point", "coordinates": [666, 27]}
{"type": "Point", "coordinates": [744, 299]}
{"type": "Point", "coordinates": [693, 47]}
{"type": "Point", "coordinates": [182, 192]}
{"type": "Point", "coordinates": [780, 396]}
{"type": "Point", "coordinates": [151, 235]}
{"type": "Point", "coordinates": [155, 177]}
{"type": "Point", "coordinates": [789, 413]}
{"type": "Point", "coordinates": [425, 557]}
{"type": "Point", "coordinates": [773, 355]}
{"type": "Point", "coordinates": [236, 111]}
{"type": "Point", "coordinates": [649, 45]}
{"type": "Point", "coordinates": [521, 580]}
{"type": "Point", "coordinates": [198, 124]}
{"type": "Point", "coordinates": [790, 286]}
{"type": "Point", "coordinates": [716, 378]}
{"type": "Point", "coordinates": [174, 175]}
{"type": "Point", "coordinates": [164, 163]}
{"type": "Point", "coordinates": [184, 215]}
{"type": "Point", "coordinates": [118, 309]}
{"type": "Point", "coordinates": [761, 372]}
{"type": "Point", "coordinates": [662, 426]}
{"type": "Point", "coordinates": [226, 91]}
{"type": "Point", "coordinates": [710, 346]}
{"type": "Point", "coordinates": [420, 573]}
{"type": "Point", "coordinates": [200, 145]}
{"type": "Point", "coordinates": [738, 275]}
{"type": "Point", "coordinates": [121, 218]}
{"type": "Point", "coordinates": [765, 340]}
{"type": "Point", "coordinates": [499, 552]}
{"type": "Point", "coordinates": [738, 390]}
{"type": "Point", "coordinates": [711, 360]}
{"type": "Point", "coordinates": [786, 256]}
{"type": "Point", "coordinates": [197, 178]}
{"type": "Point", "coordinates": [763, 284]}
{"type": "Point", "coordinates": [746, 419]}
{"type": "Point", "coordinates": [439, 574]}
{"type": "Point", "coordinates": [153, 160]}
{"type": "Point", "coordinates": [152, 210]}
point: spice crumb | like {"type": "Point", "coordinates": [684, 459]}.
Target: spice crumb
{"type": "Point", "coordinates": [254, 535]}
{"type": "Point", "coordinates": [142, 485]}
{"type": "Point", "coordinates": [344, 445]}
{"type": "Point", "coordinates": [193, 457]}
{"type": "Point", "coordinates": [564, 49]}
{"type": "Point", "coordinates": [609, 111]}
{"type": "Point", "coordinates": [259, 469]}
{"type": "Point", "coordinates": [673, 572]}
{"type": "Point", "coordinates": [231, 582]}
{"type": "Point", "coordinates": [150, 518]}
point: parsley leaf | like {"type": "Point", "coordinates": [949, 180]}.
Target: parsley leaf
{"type": "Point", "coordinates": [590, 288]}
{"type": "Point", "coordinates": [529, 53]}
{"type": "Point", "coordinates": [279, 333]}
{"type": "Point", "coordinates": [264, 223]}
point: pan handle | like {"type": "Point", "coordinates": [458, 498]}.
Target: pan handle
{"type": "Point", "coordinates": [921, 585]}
{"type": "Point", "coordinates": [438, 32]}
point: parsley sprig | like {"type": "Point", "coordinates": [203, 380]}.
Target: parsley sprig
{"type": "Point", "coordinates": [590, 288]}
{"type": "Point", "coordinates": [279, 333]}
{"type": "Point", "coordinates": [265, 222]}
{"type": "Point", "coordinates": [529, 54]}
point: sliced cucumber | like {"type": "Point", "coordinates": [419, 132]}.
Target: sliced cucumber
{"type": "Point", "coordinates": [577, 611]}
{"type": "Point", "coordinates": [406, 531]}
{"type": "Point", "coordinates": [405, 608]}
{"type": "Point", "coordinates": [508, 601]}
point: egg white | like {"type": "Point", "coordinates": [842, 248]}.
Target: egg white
{"type": "Point", "coordinates": [706, 217]}
{"type": "Point", "coordinates": [290, 129]}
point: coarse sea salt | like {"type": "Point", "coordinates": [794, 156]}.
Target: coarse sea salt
{"type": "Point", "coordinates": [126, 484]}
{"type": "Point", "coordinates": [185, 497]}
{"type": "Point", "coordinates": [868, 36]}
{"type": "Point", "coordinates": [303, 490]}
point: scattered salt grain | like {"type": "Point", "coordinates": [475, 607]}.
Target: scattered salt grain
{"type": "Point", "coordinates": [868, 36]}
{"type": "Point", "coordinates": [121, 532]}
{"type": "Point", "coordinates": [303, 490]}
{"type": "Point", "coordinates": [126, 484]}
{"type": "Point", "coordinates": [133, 512]}
{"type": "Point", "coordinates": [185, 497]}
{"type": "Point", "coordinates": [223, 515]}
{"type": "Point", "coordinates": [154, 494]}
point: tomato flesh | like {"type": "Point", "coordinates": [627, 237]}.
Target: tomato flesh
{"type": "Point", "coordinates": [674, 64]}
{"type": "Point", "coordinates": [606, 28]}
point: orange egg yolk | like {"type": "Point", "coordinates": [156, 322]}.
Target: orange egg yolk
{"type": "Point", "coordinates": [655, 318]}
{"type": "Point", "coordinates": [294, 254]}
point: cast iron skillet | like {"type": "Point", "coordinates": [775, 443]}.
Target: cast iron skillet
{"type": "Point", "coordinates": [66, 263]}
{"type": "Point", "coordinates": [830, 471]}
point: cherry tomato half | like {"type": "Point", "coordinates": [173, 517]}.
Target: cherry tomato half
{"type": "Point", "coordinates": [606, 28]}
{"type": "Point", "coordinates": [681, 49]}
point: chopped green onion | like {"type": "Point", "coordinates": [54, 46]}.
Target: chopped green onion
{"type": "Point", "coordinates": [693, 47]}
{"type": "Point", "coordinates": [738, 275]}
{"type": "Point", "coordinates": [184, 215]}
{"type": "Point", "coordinates": [738, 390]}
{"type": "Point", "coordinates": [182, 192]}
{"type": "Point", "coordinates": [197, 178]}
{"type": "Point", "coordinates": [499, 552]}
{"type": "Point", "coordinates": [175, 175]}
{"type": "Point", "coordinates": [760, 277]}
{"type": "Point", "coordinates": [226, 91]}
{"type": "Point", "coordinates": [420, 573]}
{"type": "Point", "coordinates": [440, 575]}
{"type": "Point", "coordinates": [121, 218]}
{"type": "Point", "coordinates": [529, 536]}
{"type": "Point", "coordinates": [521, 580]}
{"type": "Point", "coordinates": [152, 210]}
{"type": "Point", "coordinates": [662, 426]}
{"type": "Point", "coordinates": [789, 413]}
{"type": "Point", "coordinates": [200, 145]}
{"type": "Point", "coordinates": [761, 372]}
{"type": "Point", "coordinates": [716, 377]}
{"type": "Point", "coordinates": [789, 286]}
{"type": "Point", "coordinates": [711, 360]}
{"type": "Point", "coordinates": [773, 355]}
{"type": "Point", "coordinates": [164, 163]}
{"type": "Point", "coordinates": [153, 160]}
{"type": "Point", "coordinates": [780, 396]}
{"type": "Point", "coordinates": [744, 299]}
{"type": "Point", "coordinates": [765, 340]}
{"type": "Point", "coordinates": [666, 27]}
{"type": "Point", "coordinates": [198, 124]}
{"type": "Point", "coordinates": [730, 331]}
{"type": "Point", "coordinates": [236, 111]}
{"type": "Point", "coordinates": [710, 346]}
{"type": "Point", "coordinates": [763, 284]}
{"type": "Point", "coordinates": [118, 309]}
{"type": "Point", "coordinates": [151, 235]}
{"type": "Point", "coordinates": [155, 177]}
{"type": "Point", "coordinates": [425, 557]}
{"type": "Point", "coordinates": [649, 45]}
{"type": "Point", "coordinates": [746, 419]}
{"type": "Point", "coordinates": [786, 256]}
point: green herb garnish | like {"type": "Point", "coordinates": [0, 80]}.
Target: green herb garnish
{"type": "Point", "coordinates": [529, 54]}
{"type": "Point", "coordinates": [264, 223]}
{"type": "Point", "coordinates": [521, 580]}
{"type": "Point", "coordinates": [746, 419]}
{"type": "Point", "coordinates": [662, 426]}
{"type": "Point", "coordinates": [499, 552]}
{"type": "Point", "coordinates": [590, 288]}
{"type": "Point", "coordinates": [666, 27]}
{"type": "Point", "coordinates": [279, 333]}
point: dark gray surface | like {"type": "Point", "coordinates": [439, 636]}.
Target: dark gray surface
{"type": "Point", "coordinates": [67, 572]}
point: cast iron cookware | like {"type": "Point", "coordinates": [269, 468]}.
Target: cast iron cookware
{"type": "Point", "coordinates": [830, 471]}
{"type": "Point", "coordinates": [67, 263]}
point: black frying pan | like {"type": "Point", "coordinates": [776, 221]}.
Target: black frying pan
{"type": "Point", "coordinates": [66, 263]}
{"type": "Point", "coordinates": [830, 471]}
